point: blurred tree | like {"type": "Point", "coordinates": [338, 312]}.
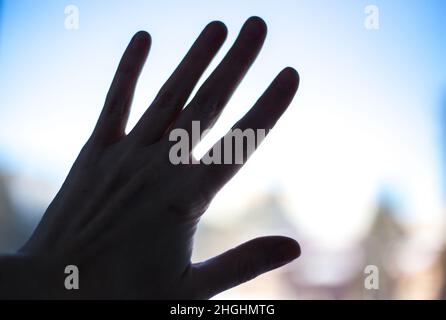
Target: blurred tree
{"type": "Point", "coordinates": [12, 225]}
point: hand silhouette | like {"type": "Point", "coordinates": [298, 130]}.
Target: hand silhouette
{"type": "Point", "coordinates": [126, 216]}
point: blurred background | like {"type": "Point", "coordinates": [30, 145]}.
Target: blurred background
{"type": "Point", "coordinates": [354, 170]}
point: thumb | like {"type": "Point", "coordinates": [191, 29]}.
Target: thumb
{"type": "Point", "coordinates": [244, 263]}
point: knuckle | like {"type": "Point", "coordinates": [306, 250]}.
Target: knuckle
{"type": "Point", "coordinates": [207, 106]}
{"type": "Point", "coordinates": [245, 270]}
{"type": "Point", "coordinates": [166, 99]}
{"type": "Point", "coordinates": [199, 55]}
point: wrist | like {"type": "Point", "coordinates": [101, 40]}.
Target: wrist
{"type": "Point", "coordinates": [26, 277]}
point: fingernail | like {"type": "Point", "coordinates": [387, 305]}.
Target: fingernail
{"type": "Point", "coordinates": [255, 27]}
{"type": "Point", "coordinates": [288, 78]}
{"type": "Point", "coordinates": [216, 30]}
{"type": "Point", "coordinates": [286, 251]}
{"type": "Point", "coordinates": [140, 39]}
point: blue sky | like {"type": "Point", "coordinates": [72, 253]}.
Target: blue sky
{"type": "Point", "coordinates": [365, 118]}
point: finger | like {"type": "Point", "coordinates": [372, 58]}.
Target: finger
{"type": "Point", "coordinates": [114, 115]}
{"type": "Point", "coordinates": [231, 153]}
{"type": "Point", "coordinates": [175, 92]}
{"type": "Point", "coordinates": [213, 95]}
{"type": "Point", "coordinates": [244, 263]}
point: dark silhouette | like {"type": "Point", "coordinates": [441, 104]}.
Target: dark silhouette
{"type": "Point", "coordinates": [126, 216]}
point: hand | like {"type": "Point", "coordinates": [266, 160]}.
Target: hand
{"type": "Point", "coordinates": [126, 215]}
